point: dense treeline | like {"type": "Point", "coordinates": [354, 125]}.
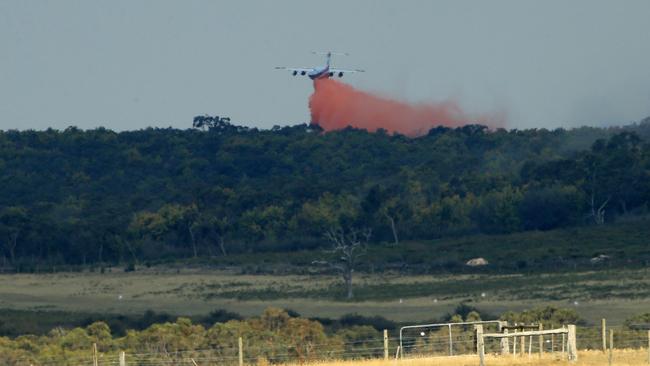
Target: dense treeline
{"type": "Point", "coordinates": [79, 197]}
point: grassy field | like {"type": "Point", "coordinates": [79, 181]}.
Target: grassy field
{"type": "Point", "coordinates": [626, 357]}
{"type": "Point", "coordinates": [625, 244]}
{"type": "Point", "coordinates": [616, 294]}
{"type": "Point", "coordinates": [412, 282]}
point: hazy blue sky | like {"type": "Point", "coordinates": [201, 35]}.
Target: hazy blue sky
{"type": "Point", "coordinates": [133, 64]}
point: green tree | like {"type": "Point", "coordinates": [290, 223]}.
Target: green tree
{"type": "Point", "coordinates": [550, 207]}
{"type": "Point", "coordinates": [13, 223]}
{"type": "Point", "coordinates": [171, 219]}
{"type": "Point", "coordinates": [328, 212]}
{"type": "Point", "coordinates": [497, 211]}
{"type": "Point", "coordinates": [544, 314]}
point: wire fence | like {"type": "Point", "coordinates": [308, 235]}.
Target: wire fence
{"type": "Point", "coordinates": [424, 343]}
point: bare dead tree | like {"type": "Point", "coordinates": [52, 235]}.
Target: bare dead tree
{"type": "Point", "coordinates": [393, 228]}
{"type": "Point", "coordinates": [597, 208]}
{"type": "Point", "coordinates": [598, 212]}
{"type": "Point", "coordinates": [11, 245]}
{"type": "Point", "coordinates": [223, 228]}
{"type": "Point", "coordinates": [347, 247]}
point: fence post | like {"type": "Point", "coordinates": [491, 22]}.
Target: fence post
{"type": "Point", "coordinates": [522, 346]}
{"type": "Point", "coordinates": [514, 344]}
{"type": "Point", "coordinates": [95, 360]}
{"type": "Point", "coordinates": [563, 344]}
{"type": "Point", "coordinates": [241, 352]}
{"type": "Point", "coordinates": [649, 347]}
{"type": "Point", "coordinates": [478, 329]}
{"type": "Point", "coordinates": [541, 341]}
{"type": "Point", "coordinates": [385, 344]}
{"type": "Point", "coordinates": [571, 343]}
{"type": "Point", "coordinates": [451, 347]}
{"type": "Point", "coordinates": [611, 345]}
{"type": "Point", "coordinates": [505, 346]}
{"type": "Point", "coordinates": [122, 358]}
{"type": "Point", "coordinates": [552, 340]}
{"type": "Point", "coordinates": [480, 344]}
{"type": "Point", "coordinates": [603, 332]}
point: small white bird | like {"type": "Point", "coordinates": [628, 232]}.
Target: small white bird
{"type": "Point", "coordinates": [119, 297]}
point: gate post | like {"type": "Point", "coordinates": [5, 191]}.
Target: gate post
{"type": "Point", "coordinates": [451, 348]}
{"type": "Point", "coordinates": [480, 344]}
{"type": "Point", "coordinates": [505, 345]}
{"type": "Point", "coordinates": [385, 344]}
{"type": "Point", "coordinates": [603, 332]}
{"type": "Point", "coordinates": [541, 341]}
{"type": "Point", "coordinates": [478, 329]}
{"type": "Point", "coordinates": [571, 343]}
{"type": "Point", "coordinates": [611, 346]}
{"type": "Point", "coordinates": [241, 352]}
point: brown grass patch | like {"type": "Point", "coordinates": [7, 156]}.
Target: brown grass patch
{"type": "Point", "coordinates": [622, 357]}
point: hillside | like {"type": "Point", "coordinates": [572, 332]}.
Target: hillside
{"type": "Point", "coordinates": [77, 197]}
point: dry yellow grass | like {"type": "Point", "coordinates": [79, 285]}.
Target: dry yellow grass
{"type": "Point", "coordinates": [622, 357]}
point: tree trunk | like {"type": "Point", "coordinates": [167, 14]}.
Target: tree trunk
{"type": "Point", "coordinates": [101, 251]}
{"type": "Point", "coordinates": [600, 213]}
{"type": "Point", "coordinates": [222, 246]}
{"type": "Point", "coordinates": [11, 246]}
{"type": "Point", "coordinates": [192, 238]}
{"type": "Point", "coordinates": [12, 255]}
{"type": "Point", "coordinates": [128, 246]}
{"type": "Point", "coordinates": [393, 228]}
{"type": "Point", "coordinates": [348, 284]}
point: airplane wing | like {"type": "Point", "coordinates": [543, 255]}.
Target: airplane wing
{"type": "Point", "coordinates": [336, 71]}
{"type": "Point", "coordinates": [297, 69]}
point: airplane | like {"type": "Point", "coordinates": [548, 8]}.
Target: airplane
{"type": "Point", "coordinates": [322, 72]}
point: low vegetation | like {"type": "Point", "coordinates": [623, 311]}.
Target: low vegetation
{"type": "Point", "coordinates": [274, 337]}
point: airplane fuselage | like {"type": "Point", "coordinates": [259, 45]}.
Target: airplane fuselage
{"type": "Point", "coordinates": [319, 73]}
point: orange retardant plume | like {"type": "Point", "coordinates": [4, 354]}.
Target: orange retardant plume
{"type": "Point", "coordinates": [335, 105]}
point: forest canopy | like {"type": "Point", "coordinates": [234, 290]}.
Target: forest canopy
{"type": "Point", "coordinates": [98, 196]}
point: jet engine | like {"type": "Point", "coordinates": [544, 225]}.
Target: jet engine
{"type": "Point", "coordinates": [295, 72]}
{"type": "Point", "coordinates": [303, 72]}
{"type": "Point", "coordinates": [340, 74]}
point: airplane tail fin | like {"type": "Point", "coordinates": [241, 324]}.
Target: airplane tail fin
{"type": "Point", "coordinates": [329, 55]}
